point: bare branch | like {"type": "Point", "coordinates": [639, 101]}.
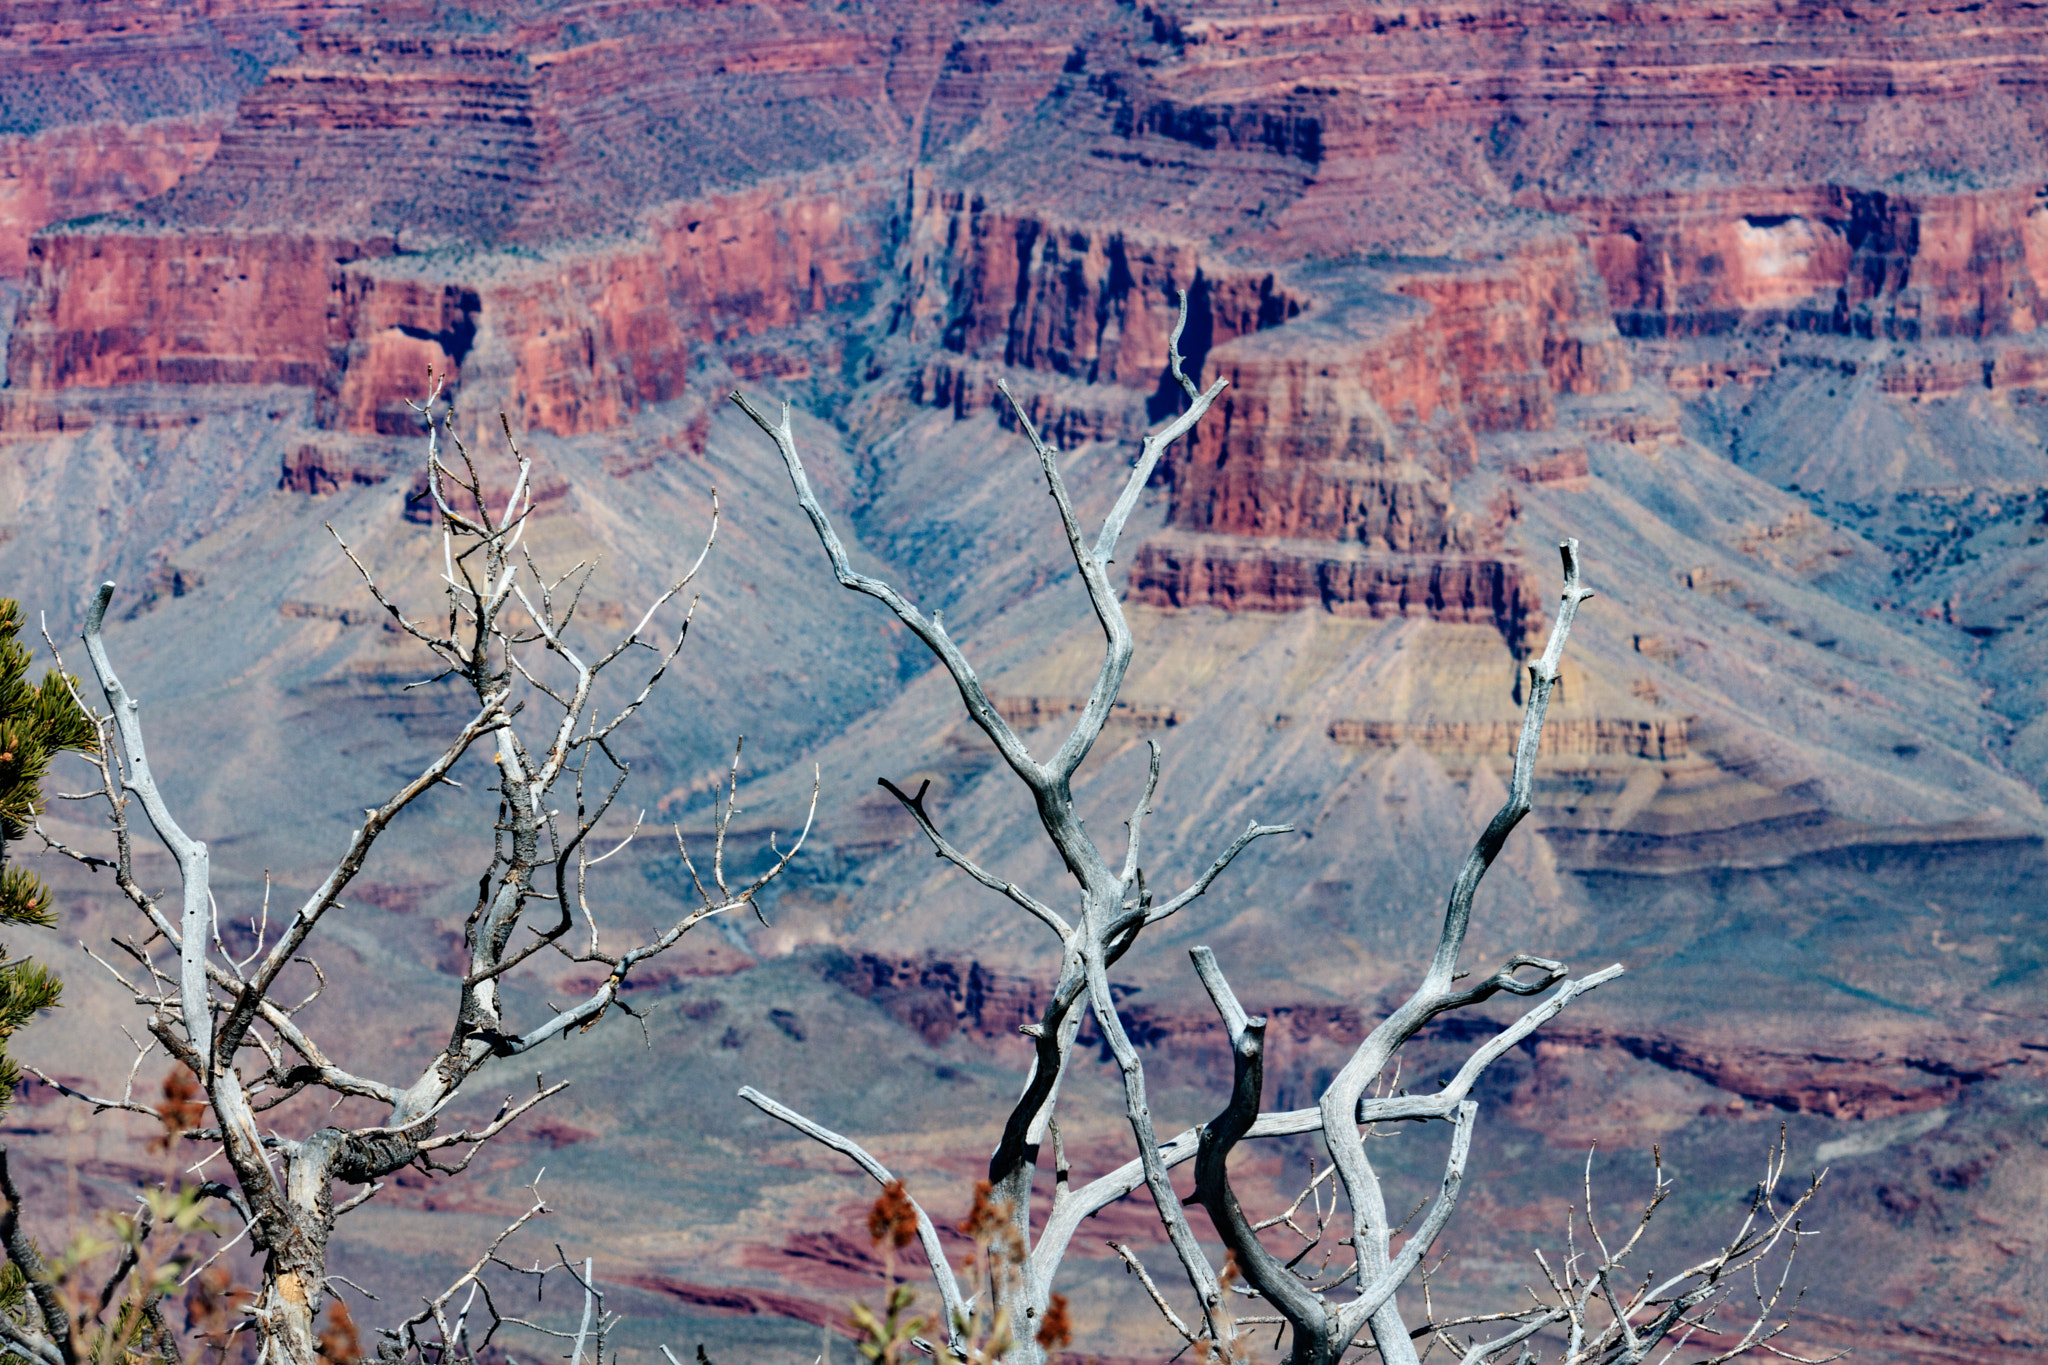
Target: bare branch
{"type": "Point", "coordinates": [99, 1105]}
{"type": "Point", "coordinates": [1137, 1267]}
{"type": "Point", "coordinates": [915, 805]}
{"type": "Point", "coordinates": [407, 1333]}
{"type": "Point", "coordinates": [211, 1017]}
{"type": "Point", "coordinates": [189, 852]}
{"type": "Point", "coordinates": [927, 1235]}
{"type": "Point", "coordinates": [506, 1117]}
{"type": "Point", "coordinates": [930, 630]}
{"type": "Point", "coordinates": [1156, 443]}
{"type": "Point", "coordinates": [1202, 883]}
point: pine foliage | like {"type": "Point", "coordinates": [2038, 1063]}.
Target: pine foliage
{"type": "Point", "coordinates": [37, 721]}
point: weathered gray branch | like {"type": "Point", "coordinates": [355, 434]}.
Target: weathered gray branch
{"type": "Point", "coordinates": [1040, 911]}
{"type": "Point", "coordinates": [956, 1306]}
{"type": "Point", "coordinates": [1224, 859]}
{"type": "Point", "coordinates": [189, 852]}
{"type": "Point", "coordinates": [1340, 1101]}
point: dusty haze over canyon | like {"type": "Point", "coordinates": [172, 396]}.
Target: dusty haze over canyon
{"type": "Point", "coordinates": [1752, 298]}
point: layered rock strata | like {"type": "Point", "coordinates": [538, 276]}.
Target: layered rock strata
{"type": "Point", "coordinates": [83, 169]}
{"type": "Point", "coordinates": [1355, 397]}
{"type": "Point", "coordinates": [1881, 1078]}
{"type": "Point", "coordinates": [105, 106]}
{"type": "Point", "coordinates": [575, 343]}
{"type": "Point", "coordinates": [1829, 259]}
{"type": "Point", "coordinates": [1237, 574]}
{"type": "Point", "coordinates": [1349, 427]}
{"type": "Point", "coordinates": [1407, 236]}
{"type": "Point", "coordinates": [513, 122]}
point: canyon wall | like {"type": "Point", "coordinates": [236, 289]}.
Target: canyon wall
{"type": "Point", "coordinates": [1365, 382]}
{"type": "Point", "coordinates": [1602, 97]}
{"type": "Point", "coordinates": [1076, 300]}
{"type": "Point", "coordinates": [940, 998]}
{"type": "Point", "coordinates": [574, 343]}
{"type": "Point", "coordinates": [1350, 424]}
{"type": "Point", "coordinates": [107, 307]}
{"type": "Point", "coordinates": [1355, 397]}
{"type": "Point", "coordinates": [515, 122]}
{"type": "Point", "coordinates": [73, 63]}
{"type": "Point", "coordinates": [1828, 259]}
{"type": "Point", "coordinates": [1348, 427]}
{"type": "Point", "coordinates": [1240, 575]}
{"type": "Point", "coordinates": [103, 107]}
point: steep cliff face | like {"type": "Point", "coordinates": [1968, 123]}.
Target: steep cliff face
{"type": "Point", "coordinates": [1077, 300]}
{"type": "Point", "coordinates": [397, 127]}
{"type": "Point", "coordinates": [1354, 399]}
{"type": "Point", "coordinates": [1349, 426]}
{"type": "Point", "coordinates": [573, 344]}
{"type": "Point", "coordinates": [1238, 575]}
{"type": "Point", "coordinates": [109, 307]}
{"type": "Point", "coordinates": [397, 330]}
{"type": "Point", "coordinates": [104, 106]}
{"type": "Point", "coordinates": [1829, 259]}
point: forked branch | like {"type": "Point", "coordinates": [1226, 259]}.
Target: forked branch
{"type": "Point", "coordinates": [1114, 904]}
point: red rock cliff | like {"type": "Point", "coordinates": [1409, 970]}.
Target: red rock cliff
{"type": "Point", "coordinates": [1077, 300]}
{"type": "Point", "coordinates": [1827, 259]}
{"type": "Point", "coordinates": [104, 106]}
{"type": "Point", "coordinates": [111, 307]}
{"type": "Point", "coordinates": [572, 344]}
{"type": "Point", "coordinates": [1350, 410]}
{"type": "Point", "coordinates": [1348, 425]}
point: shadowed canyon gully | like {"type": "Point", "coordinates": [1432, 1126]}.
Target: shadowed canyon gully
{"type": "Point", "coordinates": [1750, 298]}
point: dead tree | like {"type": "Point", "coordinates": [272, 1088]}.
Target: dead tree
{"type": "Point", "coordinates": [1115, 906]}
{"type": "Point", "coordinates": [1324, 1328]}
{"type": "Point", "coordinates": [233, 1022]}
